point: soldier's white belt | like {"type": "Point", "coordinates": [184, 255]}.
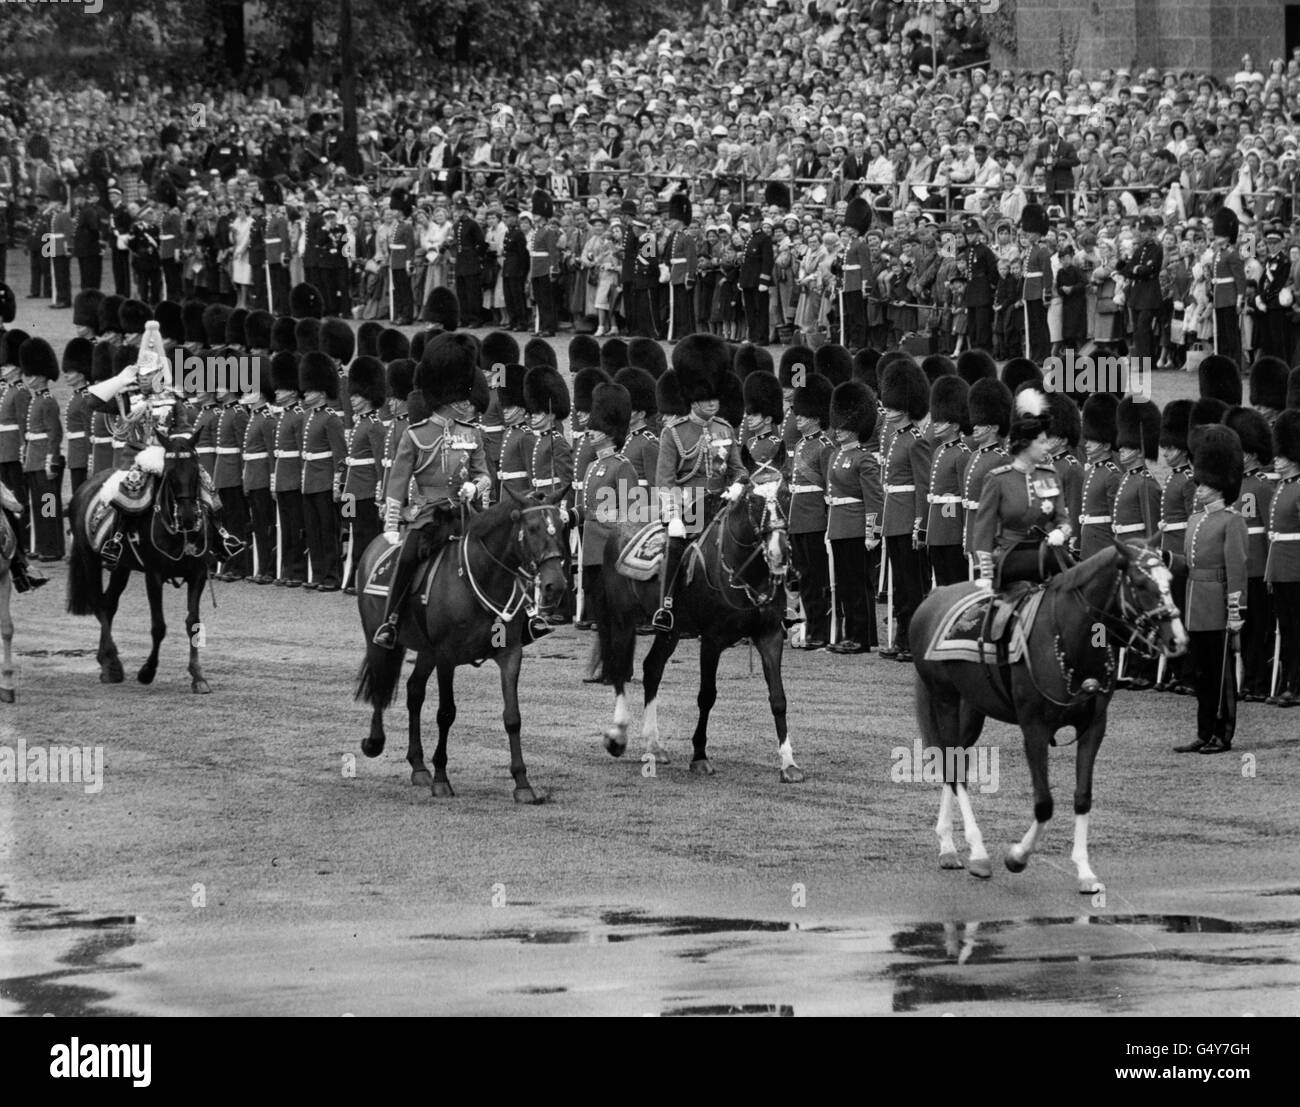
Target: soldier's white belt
{"type": "Point", "coordinates": [850, 268]}
{"type": "Point", "coordinates": [8, 426]}
{"type": "Point", "coordinates": [1093, 520]}
{"type": "Point", "coordinates": [971, 505]}
{"type": "Point", "coordinates": [546, 482]}
{"type": "Point", "coordinates": [540, 253]}
{"type": "Point", "coordinates": [491, 430]}
{"type": "Point", "coordinates": [945, 499]}
{"type": "Point", "coordinates": [1256, 530]}
{"type": "Point", "coordinates": [794, 488]}
{"type": "Point", "coordinates": [1279, 536]}
{"type": "Point", "coordinates": [36, 437]}
{"type": "Point", "coordinates": [678, 261]}
{"type": "Point", "coordinates": [1037, 274]}
{"type": "Point", "coordinates": [319, 456]}
{"type": "Point", "coordinates": [286, 453]}
{"type": "Point", "coordinates": [361, 461]}
{"type": "Point", "coordinates": [206, 449]}
{"type": "Point", "coordinates": [227, 449]}
{"type": "Point", "coordinates": [890, 489]}
{"type": "Point", "coordinates": [1225, 280]}
{"type": "Point", "coordinates": [1129, 528]}
{"type": "Point", "coordinates": [76, 434]}
{"type": "Point", "coordinates": [255, 457]}
{"type": "Point", "coordinates": [95, 440]}
{"type": "Point", "coordinates": [1167, 527]}
{"type": "Point", "coordinates": [514, 474]}
{"type": "Point", "coordinates": [842, 501]}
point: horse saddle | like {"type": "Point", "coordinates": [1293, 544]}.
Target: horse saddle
{"type": "Point", "coordinates": [641, 550]}
{"type": "Point", "coordinates": [130, 490]}
{"type": "Point", "coordinates": [382, 571]}
{"type": "Point", "coordinates": [984, 628]}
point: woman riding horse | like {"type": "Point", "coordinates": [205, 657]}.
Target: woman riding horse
{"type": "Point", "coordinates": [1021, 501]}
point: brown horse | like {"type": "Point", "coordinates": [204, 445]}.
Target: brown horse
{"type": "Point", "coordinates": [474, 611]}
{"type": "Point", "coordinates": [1066, 678]}
{"type": "Point", "coordinates": [167, 542]}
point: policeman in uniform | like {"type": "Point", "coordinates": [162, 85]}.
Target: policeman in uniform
{"type": "Point", "coordinates": [1228, 281]}
{"type": "Point", "coordinates": [1021, 503]}
{"type": "Point", "coordinates": [990, 414]}
{"type": "Point", "coordinates": [854, 502]}
{"type": "Point", "coordinates": [807, 515]}
{"type": "Point", "coordinates": [1176, 506]}
{"type": "Point", "coordinates": [1253, 504]}
{"type": "Point", "coordinates": [468, 246]}
{"type": "Point", "coordinates": [1038, 281]}
{"type": "Point", "coordinates": [950, 458]}
{"type": "Point", "coordinates": [401, 256]}
{"type": "Point", "coordinates": [78, 357]}
{"type": "Point", "coordinates": [905, 469]}
{"type": "Point", "coordinates": [1101, 474]}
{"type": "Point", "coordinates": [257, 453]}
{"type": "Point", "coordinates": [324, 457]}
{"type": "Point", "coordinates": [1282, 574]}
{"type": "Point", "coordinates": [443, 456]}
{"type": "Point", "coordinates": [1274, 335]}
{"type": "Point", "coordinates": [1216, 587]}
{"type": "Point", "coordinates": [642, 445]}
{"type": "Point", "coordinates": [1137, 498]}
{"type": "Point", "coordinates": [1144, 296]}
{"type": "Point", "coordinates": [680, 256]}
{"type": "Point", "coordinates": [42, 439]}
{"type": "Point", "coordinates": [699, 455]}
{"type": "Point", "coordinates": [63, 233]}
{"type": "Point", "coordinates": [755, 282]}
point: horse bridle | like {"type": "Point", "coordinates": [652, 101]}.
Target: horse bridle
{"type": "Point", "coordinates": [735, 576]}
{"type": "Point", "coordinates": [170, 522]}
{"type": "Point", "coordinates": [524, 578]}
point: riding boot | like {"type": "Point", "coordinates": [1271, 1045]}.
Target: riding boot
{"type": "Point", "coordinates": [663, 617]}
{"type": "Point", "coordinates": [25, 579]}
{"type": "Point", "coordinates": [110, 553]}
{"type": "Point", "coordinates": [419, 544]}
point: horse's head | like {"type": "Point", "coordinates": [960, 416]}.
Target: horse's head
{"type": "Point", "coordinates": [539, 538]}
{"type": "Point", "coordinates": [1147, 602]}
{"type": "Point", "coordinates": [179, 488]}
{"type": "Point", "coordinates": [762, 524]}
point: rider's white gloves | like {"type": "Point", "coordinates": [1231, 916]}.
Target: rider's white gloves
{"type": "Point", "coordinates": [676, 528]}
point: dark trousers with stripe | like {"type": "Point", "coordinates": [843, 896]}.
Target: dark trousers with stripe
{"type": "Point", "coordinates": [78, 478]}
{"type": "Point", "coordinates": [361, 518]}
{"type": "Point", "coordinates": [1216, 685]}
{"type": "Point", "coordinates": [1286, 605]}
{"type": "Point", "coordinates": [810, 563]}
{"type": "Point", "coordinates": [949, 564]}
{"type": "Point", "coordinates": [683, 312]}
{"type": "Point", "coordinates": [907, 567]}
{"type": "Point", "coordinates": [293, 541]}
{"type": "Point", "coordinates": [1040, 342]}
{"type": "Point", "coordinates": [40, 274]}
{"type": "Point", "coordinates": [45, 502]}
{"type": "Point", "coordinates": [122, 272]}
{"type": "Point", "coordinates": [234, 517]}
{"type": "Point", "coordinates": [1257, 639]}
{"type": "Point", "coordinates": [854, 590]}
{"type": "Point", "coordinates": [63, 280]}
{"type": "Point", "coordinates": [171, 270]}
{"type": "Point", "coordinates": [757, 308]}
{"type": "Point", "coordinates": [855, 320]}
{"type": "Point", "coordinates": [321, 516]}
{"type": "Point", "coordinates": [469, 291]}
{"type": "Point", "coordinates": [91, 269]}
{"type": "Point", "coordinates": [279, 289]}
{"type": "Point", "coordinates": [516, 301]}
{"type": "Point", "coordinates": [403, 304]}
{"type": "Point", "coordinates": [261, 513]}
{"type": "Point", "coordinates": [544, 299]}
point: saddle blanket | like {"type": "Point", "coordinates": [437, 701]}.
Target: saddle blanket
{"type": "Point", "coordinates": [957, 636]}
{"type": "Point", "coordinates": [381, 573]}
{"type": "Point", "coordinates": [8, 540]}
{"type": "Point", "coordinates": [643, 553]}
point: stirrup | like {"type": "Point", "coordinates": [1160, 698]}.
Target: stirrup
{"type": "Point", "coordinates": [386, 635]}
{"type": "Point", "coordinates": [231, 545]}
{"type": "Point", "coordinates": [110, 553]}
{"type": "Point", "coordinates": [662, 619]}
{"type": "Point", "coordinates": [538, 627]}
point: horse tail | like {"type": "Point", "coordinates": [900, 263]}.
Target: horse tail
{"type": "Point", "coordinates": [85, 573]}
{"type": "Point", "coordinates": [927, 720]}
{"type": "Point", "coordinates": [379, 675]}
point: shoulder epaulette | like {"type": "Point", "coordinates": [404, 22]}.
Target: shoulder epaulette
{"type": "Point", "coordinates": [647, 433]}
{"type": "Point", "coordinates": [962, 445]}
{"type": "Point", "coordinates": [1111, 466]}
{"type": "Point", "coordinates": [915, 431]}
{"type": "Point", "coordinates": [673, 420]}
{"type": "Point", "coordinates": [412, 426]}
{"type": "Point", "coordinates": [1001, 469]}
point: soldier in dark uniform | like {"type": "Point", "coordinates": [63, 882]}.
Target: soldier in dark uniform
{"type": "Point", "coordinates": [979, 267]}
{"type": "Point", "coordinates": [1216, 587]}
{"type": "Point", "coordinates": [1137, 498]}
{"type": "Point", "coordinates": [760, 428]}
{"type": "Point", "coordinates": [515, 265]}
{"type": "Point", "coordinates": [333, 266]}
{"type": "Point", "coordinates": [545, 255]}
{"type": "Point", "coordinates": [1101, 474]}
{"type": "Point", "coordinates": [755, 282]}
{"type": "Point", "coordinates": [549, 458]}
{"type": "Point", "coordinates": [807, 514]}
{"type": "Point", "coordinates": [401, 256]}
{"type": "Point", "coordinates": [851, 265]}
{"type": "Point", "coordinates": [277, 252]}
{"type": "Point", "coordinates": [516, 447]}
{"type": "Point", "coordinates": [1228, 285]}
{"type": "Point", "coordinates": [62, 235]}
{"type": "Point", "coordinates": [854, 501]}
{"type": "Point", "coordinates": [86, 241]}
{"type": "Point", "coordinates": [42, 450]}
{"type": "Point", "coordinates": [1021, 504]}
{"type": "Point", "coordinates": [120, 221]}
{"type": "Point", "coordinates": [146, 259]}
{"type": "Point", "coordinates": [171, 238]}
{"type": "Point", "coordinates": [1253, 504]}
{"type": "Point", "coordinates": [680, 257]}
{"type": "Point", "coordinates": [443, 455]}
{"type": "Point", "coordinates": [699, 455]}
{"type": "Point", "coordinates": [258, 455]}
{"type": "Point", "coordinates": [367, 391]}
{"type": "Point", "coordinates": [990, 415]}
{"type": "Point", "coordinates": [629, 252]}
{"type": "Point", "coordinates": [324, 457]}
{"type": "Point", "coordinates": [642, 445]}
{"type": "Point", "coordinates": [78, 357]}
{"type": "Point", "coordinates": [1176, 506]}
{"type": "Point", "coordinates": [950, 455]}
{"type": "Point", "coordinates": [1282, 574]}
{"type": "Point", "coordinates": [468, 245]}
{"type": "Point", "coordinates": [286, 471]}
{"type": "Point", "coordinates": [1144, 296]}
{"type": "Point", "coordinates": [1038, 282]}
{"type": "Point", "coordinates": [1274, 338]}
{"type": "Point", "coordinates": [905, 471]}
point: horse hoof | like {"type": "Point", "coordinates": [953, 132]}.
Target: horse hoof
{"type": "Point", "coordinates": [145, 676]}
{"type": "Point", "coordinates": [703, 767]}
{"type": "Point", "coordinates": [950, 860]}
{"type": "Point", "coordinates": [442, 790]}
{"type": "Point", "coordinates": [792, 774]}
{"type": "Point", "coordinates": [200, 687]}
{"type": "Point", "coordinates": [1091, 887]}
{"type": "Point", "coordinates": [6, 695]}
{"type": "Point", "coordinates": [371, 748]}
{"type": "Point", "coordinates": [1015, 861]}
{"type": "Point", "coordinates": [111, 674]}
{"type": "Point", "coordinates": [527, 795]}
{"type": "Point", "coordinates": [421, 778]}
{"type": "Point", "coordinates": [615, 741]}
{"type": "Point", "coordinates": [982, 868]}
{"type": "Point", "coordinates": [655, 750]}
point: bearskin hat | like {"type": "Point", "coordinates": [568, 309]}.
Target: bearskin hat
{"type": "Point", "coordinates": [752, 359]}
{"type": "Point", "coordinates": [510, 390]}
{"type": "Point", "coordinates": [976, 365]}
{"type": "Point", "coordinates": [545, 391]}
{"type": "Point", "coordinates": [283, 336]}
{"type": "Point", "coordinates": [543, 206]}
{"type": "Point", "coordinates": [124, 357]}
{"type": "Point", "coordinates": [1225, 224]}
{"type": "Point", "coordinates": [1066, 422]}
{"type": "Point", "coordinates": [102, 365]}
{"type": "Point", "coordinates": [584, 386]}
{"type": "Point", "coordinates": [647, 354]}
{"type": "Point", "coordinates": [11, 342]}
{"type": "Point", "coordinates": [306, 335]}
{"type": "Point", "coordinates": [611, 411]}
{"type": "Point", "coordinates": [480, 395]}
{"type": "Point", "coordinates": [1268, 381]}
{"type": "Point", "coordinates": [763, 396]}
{"type": "Point", "coordinates": [401, 377]}
{"type": "Point", "coordinates": [699, 361]}
{"type": "Point", "coordinates": [1220, 379]}
{"type": "Point", "coordinates": [36, 358]}
{"type": "Point", "coordinates": [777, 195]}
{"type": "Point", "coordinates": [679, 208]}
{"type": "Point", "coordinates": [265, 382]}
{"type": "Point", "coordinates": [257, 329]}
{"type": "Point", "coordinates": [337, 339]}
{"type": "Point", "coordinates": [192, 317]}
{"type": "Point", "coordinates": [613, 355]}
{"type": "Point", "coordinates": [1253, 430]}
{"type": "Point", "coordinates": [1286, 435]}
{"type": "Point", "coordinates": [1030, 416]}
{"type": "Point", "coordinates": [669, 397]}
{"type": "Point", "coordinates": [77, 357]}
{"type": "Point", "coordinates": [854, 408]}
{"type": "Point", "coordinates": [499, 348]}
{"type": "Point", "coordinates": [1174, 424]}
{"type": "Point", "coordinates": [936, 365]}
{"type": "Point", "coordinates": [537, 352]}
{"type": "Point", "coordinates": [134, 314]}
{"type": "Point", "coordinates": [865, 368]}
{"type": "Point", "coordinates": [1020, 370]}
{"type": "Point", "coordinates": [584, 352]}
{"type": "Point", "coordinates": [171, 324]}
{"type": "Point", "coordinates": [731, 402]}
{"type": "Point", "coordinates": [284, 370]}
{"type": "Point", "coordinates": [109, 320]}
{"type": "Point", "coordinates": [235, 327]}
{"type": "Point", "coordinates": [1217, 461]}
{"type": "Point", "coordinates": [215, 317]}
{"type": "Point", "coordinates": [446, 371]}
{"type": "Point", "coordinates": [834, 363]}
{"type": "Point", "coordinates": [316, 373]}
{"type": "Point", "coordinates": [1293, 389]}
{"type": "Point", "coordinates": [1138, 423]}
{"type": "Point", "coordinates": [797, 364]}
{"type": "Point", "coordinates": [989, 402]}
{"type": "Point", "coordinates": [1033, 219]}
{"type": "Point", "coordinates": [9, 305]}
{"type": "Point", "coordinates": [950, 401]}
{"type": "Point", "coordinates": [903, 387]}
{"type": "Point", "coordinates": [368, 338]}
{"type": "Point", "coordinates": [441, 309]}
{"type": "Point", "coordinates": [1204, 411]}
{"type": "Point", "coordinates": [418, 341]}
{"type": "Point", "coordinates": [813, 400]}
{"type": "Point", "coordinates": [366, 378]}
{"type": "Point", "coordinates": [85, 309]}
{"type": "Point", "coordinates": [306, 302]}
{"type": "Point", "coordinates": [393, 345]}
{"type": "Point", "coordinates": [857, 215]}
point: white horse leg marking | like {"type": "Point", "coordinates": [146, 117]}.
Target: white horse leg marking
{"type": "Point", "coordinates": [621, 715]}
{"type": "Point", "coordinates": [943, 828]}
{"type": "Point", "coordinates": [979, 864]}
{"type": "Point", "coordinates": [1088, 881]}
{"type": "Point", "coordinates": [1024, 849]}
{"type": "Point", "coordinates": [787, 754]}
{"type": "Point", "coordinates": [650, 732]}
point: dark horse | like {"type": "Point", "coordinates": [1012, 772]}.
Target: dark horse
{"type": "Point", "coordinates": [737, 591]}
{"type": "Point", "coordinates": [167, 542]}
{"type": "Point", "coordinates": [1066, 678]}
{"type": "Point", "coordinates": [474, 612]}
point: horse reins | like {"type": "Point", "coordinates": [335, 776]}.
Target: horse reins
{"type": "Point", "coordinates": [734, 577]}
{"type": "Point", "coordinates": [523, 578]}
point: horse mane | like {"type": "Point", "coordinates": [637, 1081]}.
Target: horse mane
{"type": "Point", "coordinates": [1085, 571]}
